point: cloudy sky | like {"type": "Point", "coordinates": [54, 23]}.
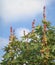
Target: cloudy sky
{"type": "Point", "coordinates": [19, 14]}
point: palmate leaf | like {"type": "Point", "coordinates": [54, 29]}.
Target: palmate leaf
{"type": "Point", "coordinates": [53, 48]}
{"type": "Point", "coordinates": [7, 55]}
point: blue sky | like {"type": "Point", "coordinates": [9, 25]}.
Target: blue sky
{"type": "Point", "coordinates": [20, 13]}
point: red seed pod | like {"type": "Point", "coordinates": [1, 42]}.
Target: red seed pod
{"type": "Point", "coordinates": [44, 15]}
{"type": "Point", "coordinates": [33, 23]}
{"type": "Point", "coordinates": [45, 27]}
{"type": "Point", "coordinates": [11, 29]}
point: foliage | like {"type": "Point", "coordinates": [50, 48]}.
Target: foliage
{"type": "Point", "coordinates": [31, 50]}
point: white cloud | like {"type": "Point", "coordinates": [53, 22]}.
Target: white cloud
{"type": "Point", "coordinates": [3, 42]}
{"type": "Point", "coordinates": [20, 32]}
{"type": "Point", "coordinates": [14, 9]}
